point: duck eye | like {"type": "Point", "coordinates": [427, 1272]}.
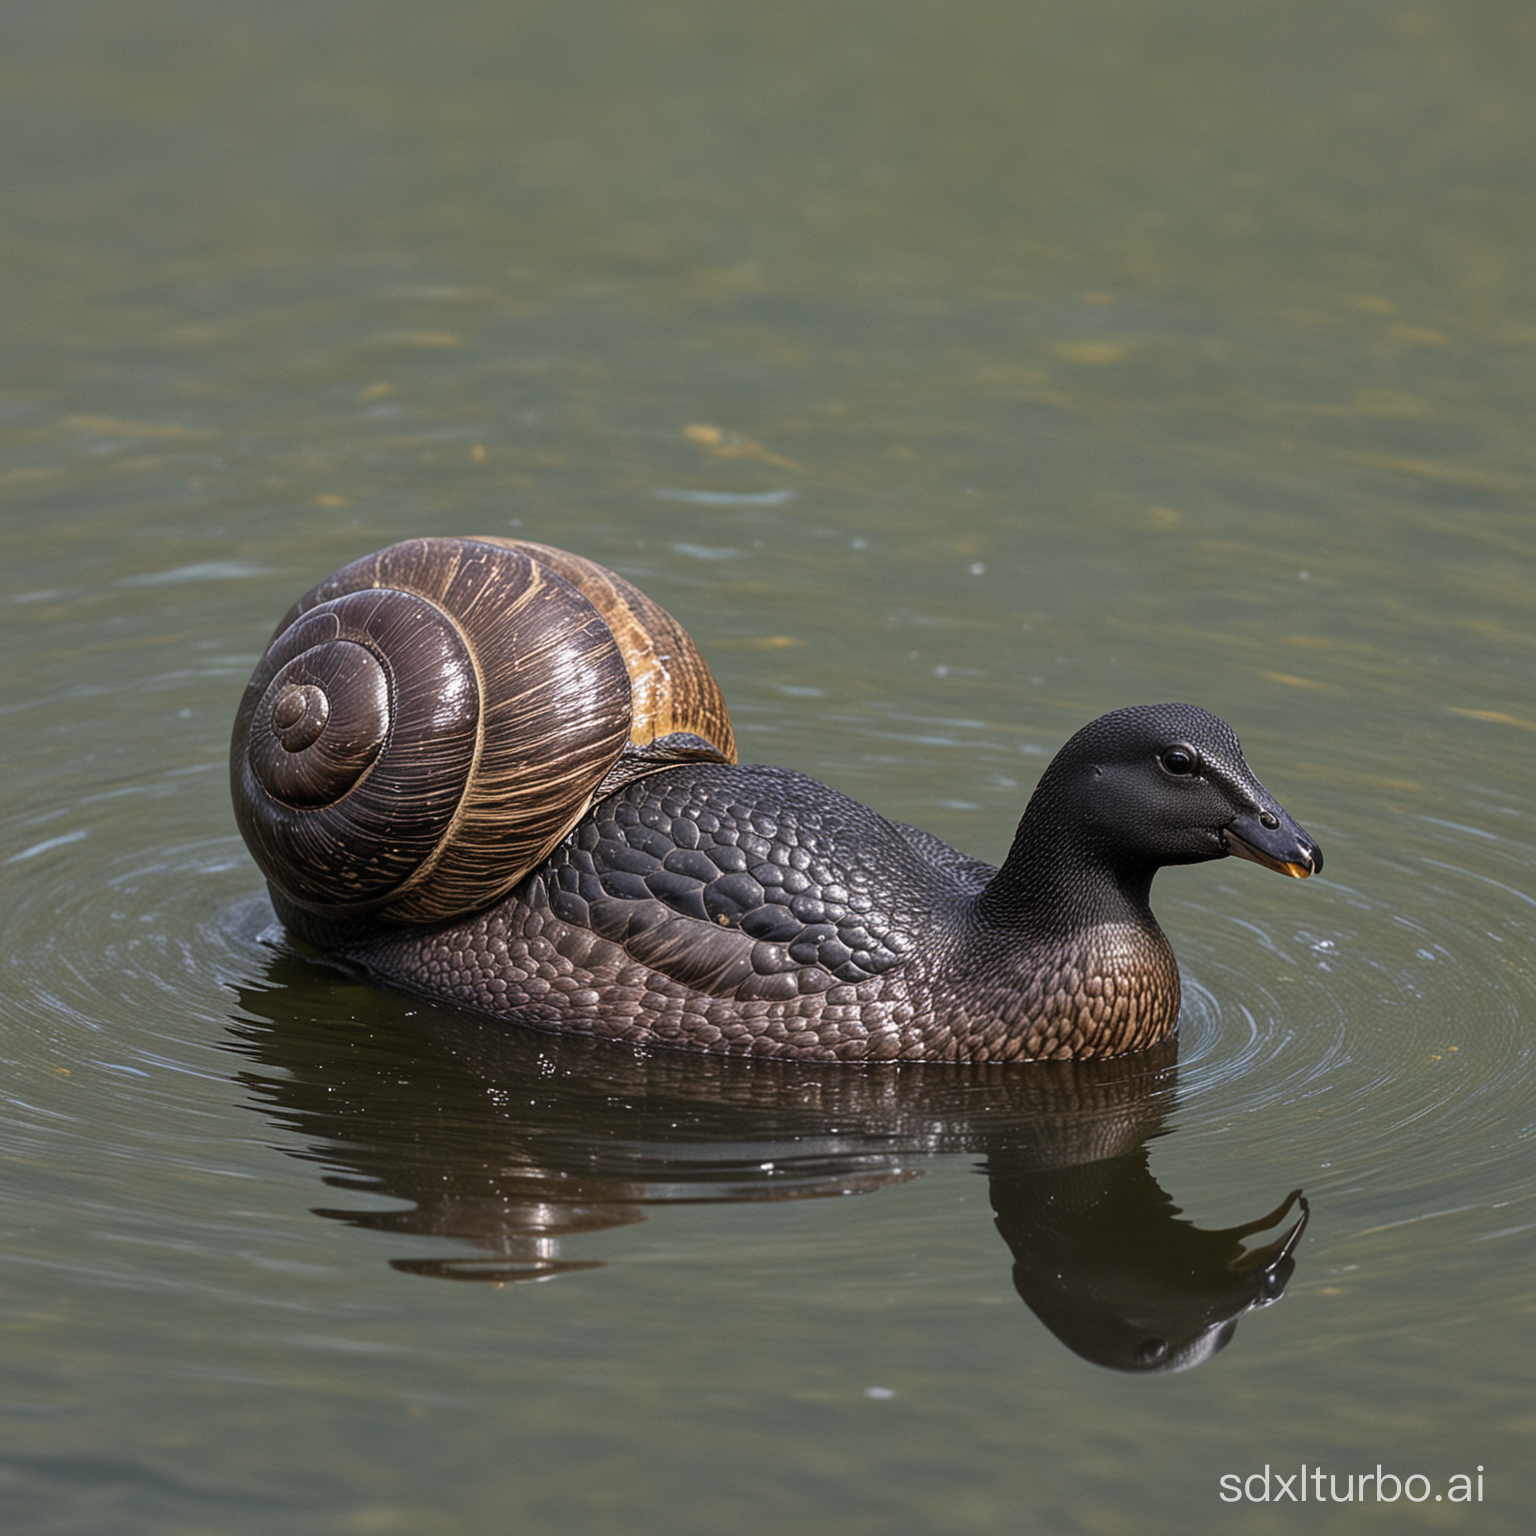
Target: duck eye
{"type": "Point", "coordinates": [1180, 761]}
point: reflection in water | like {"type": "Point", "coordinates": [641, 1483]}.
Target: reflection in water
{"type": "Point", "coordinates": [517, 1141]}
{"type": "Point", "coordinates": [1104, 1262]}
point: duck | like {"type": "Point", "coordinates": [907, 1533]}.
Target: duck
{"type": "Point", "coordinates": [671, 896]}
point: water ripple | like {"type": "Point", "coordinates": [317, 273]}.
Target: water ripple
{"type": "Point", "coordinates": [1376, 1035]}
{"type": "Point", "coordinates": [117, 980]}
{"type": "Point", "coordinates": [1394, 1037]}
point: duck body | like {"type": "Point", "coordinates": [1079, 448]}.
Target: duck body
{"type": "Point", "coordinates": [749, 909]}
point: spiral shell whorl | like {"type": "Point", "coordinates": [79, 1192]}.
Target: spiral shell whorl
{"type": "Point", "coordinates": [428, 722]}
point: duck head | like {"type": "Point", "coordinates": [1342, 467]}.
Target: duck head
{"type": "Point", "coordinates": [1159, 784]}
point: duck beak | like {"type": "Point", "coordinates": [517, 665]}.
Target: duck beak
{"type": "Point", "coordinates": [1271, 838]}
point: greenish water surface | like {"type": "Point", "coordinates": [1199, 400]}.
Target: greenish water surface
{"type": "Point", "coordinates": [954, 373]}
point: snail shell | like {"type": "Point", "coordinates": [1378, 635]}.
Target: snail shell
{"type": "Point", "coordinates": [429, 722]}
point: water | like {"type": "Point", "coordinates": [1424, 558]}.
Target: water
{"type": "Point", "coordinates": [954, 374]}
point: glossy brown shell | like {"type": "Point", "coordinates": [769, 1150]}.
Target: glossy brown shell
{"type": "Point", "coordinates": [431, 720]}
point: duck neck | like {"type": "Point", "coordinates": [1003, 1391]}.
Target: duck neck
{"type": "Point", "coordinates": [1058, 881]}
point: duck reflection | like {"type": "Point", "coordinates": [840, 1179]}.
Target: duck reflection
{"type": "Point", "coordinates": [517, 1142]}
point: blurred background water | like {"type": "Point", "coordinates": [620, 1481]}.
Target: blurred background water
{"type": "Point", "coordinates": [954, 373]}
